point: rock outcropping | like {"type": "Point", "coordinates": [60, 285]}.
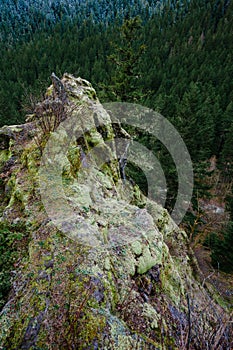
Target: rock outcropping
{"type": "Point", "coordinates": [103, 271]}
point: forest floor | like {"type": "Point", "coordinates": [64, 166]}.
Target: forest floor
{"type": "Point", "coordinates": [214, 220]}
{"type": "Point", "coordinates": [222, 282]}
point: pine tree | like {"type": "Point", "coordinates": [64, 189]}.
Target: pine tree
{"type": "Point", "coordinates": [126, 59]}
{"type": "Point", "coordinates": [222, 251]}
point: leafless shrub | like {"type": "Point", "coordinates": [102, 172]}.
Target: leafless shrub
{"type": "Point", "coordinates": [47, 117]}
{"type": "Point", "coordinates": [49, 114]}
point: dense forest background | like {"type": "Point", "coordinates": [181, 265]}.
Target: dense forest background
{"type": "Point", "coordinates": [175, 57]}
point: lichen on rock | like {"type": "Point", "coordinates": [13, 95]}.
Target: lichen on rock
{"type": "Point", "coordinates": [113, 275]}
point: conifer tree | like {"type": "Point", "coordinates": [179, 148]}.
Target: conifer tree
{"type": "Point", "coordinates": [126, 59]}
{"type": "Point", "coordinates": [222, 250]}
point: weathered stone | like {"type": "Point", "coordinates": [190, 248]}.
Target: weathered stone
{"type": "Point", "coordinates": [113, 275]}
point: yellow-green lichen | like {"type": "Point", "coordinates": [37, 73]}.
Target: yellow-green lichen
{"type": "Point", "coordinates": [137, 247]}
{"type": "Point", "coordinates": [147, 260]}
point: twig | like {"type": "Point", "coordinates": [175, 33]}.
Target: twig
{"type": "Point", "coordinates": [189, 323]}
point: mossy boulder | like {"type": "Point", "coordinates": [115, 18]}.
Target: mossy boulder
{"type": "Point", "coordinates": [115, 274]}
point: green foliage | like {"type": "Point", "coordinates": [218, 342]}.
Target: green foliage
{"type": "Point", "coordinates": [226, 154]}
{"type": "Point", "coordinates": [229, 205]}
{"type": "Point", "coordinates": [221, 244]}
{"type": "Point", "coordinates": [222, 249]}
{"type": "Point", "coordinates": [126, 62]}
{"type": "Point", "coordinates": [135, 174]}
{"type": "Point", "coordinates": [13, 241]}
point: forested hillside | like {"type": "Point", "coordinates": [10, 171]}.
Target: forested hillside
{"type": "Point", "coordinates": [20, 19]}
{"type": "Point", "coordinates": [184, 68]}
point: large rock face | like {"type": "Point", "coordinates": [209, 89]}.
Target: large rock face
{"type": "Point", "coordinates": [102, 271]}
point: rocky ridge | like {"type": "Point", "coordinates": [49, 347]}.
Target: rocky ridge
{"type": "Point", "coordinates": [126, 278]}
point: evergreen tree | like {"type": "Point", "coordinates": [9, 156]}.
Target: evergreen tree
{"type": "Point", "coordinates": [126, 59]}
{"type": "Point", "coordinates": [222, 250]}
